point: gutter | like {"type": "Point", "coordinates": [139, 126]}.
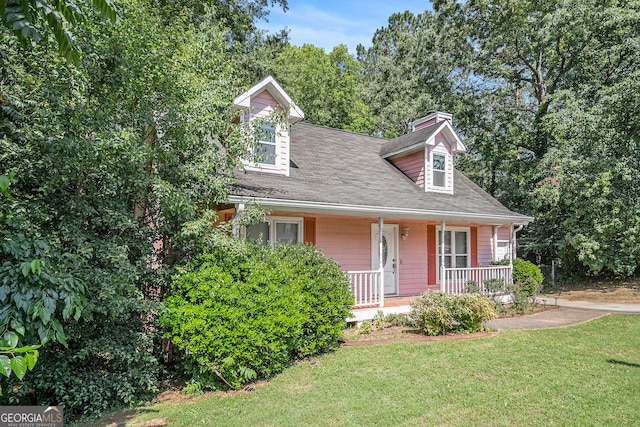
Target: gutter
{"type": "Point", "coordinates": [384, 211]}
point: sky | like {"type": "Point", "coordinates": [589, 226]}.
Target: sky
{"type": "Point", "coordinates": [328, 23]}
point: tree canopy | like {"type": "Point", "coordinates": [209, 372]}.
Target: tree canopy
{"type": "Point", "coordinates": [118, 133]}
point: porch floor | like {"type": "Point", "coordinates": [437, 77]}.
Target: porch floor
{"type": "Point", "coordinates": [392, 304]}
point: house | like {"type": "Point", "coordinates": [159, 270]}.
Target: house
{"type": "Point", "coordinates": [395, 214]}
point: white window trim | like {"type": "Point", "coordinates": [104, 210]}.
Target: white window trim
{"type": "Point", "coordinates": [280, 142]}
{"type": "Point", "coordinates": [273, 220]}
{"type": "Point", "coordinates": [453, 247]}
{"type": "Point", "coordinates": [448, 170]}
{"type": "Point", "coordinates": [274, 144]}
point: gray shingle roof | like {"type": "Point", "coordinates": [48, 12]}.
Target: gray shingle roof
{"type": "Point", "coordinates": [409, 139]}
{"type": "Point", "coordinates": [336, 167]}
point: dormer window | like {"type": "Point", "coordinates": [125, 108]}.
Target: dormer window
{"type": "Point", "coordinates": [439, 167]}
{"type": "Point", "coordinates": [439, 170]}
{"type": "Point", "coordinates": [260, 106]}
{"type": "Point", "coordinates": [265, 150]}
{"type": "Point", "coordinates": [426, 153]}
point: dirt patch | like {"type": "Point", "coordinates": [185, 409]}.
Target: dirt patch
{"type": "Point", "coordinates": [168, 397]}
{"type": "Point", "coordinates": [117, 420]}
{"type": "Point", "coordinates": [601, 292]}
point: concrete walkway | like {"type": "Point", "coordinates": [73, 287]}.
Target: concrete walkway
{"type": "Point", "coordinates": [569, 313]}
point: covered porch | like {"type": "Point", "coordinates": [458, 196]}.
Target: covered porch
{"type": "Point", "coordinates": [368, 286]}
{"type": "Point", "coordinates": [451, 270]}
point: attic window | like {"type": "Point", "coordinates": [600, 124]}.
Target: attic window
{"type": "Point", "coordinates": [265, 150]}
{"type": "Point", "coordinates": [439, 170]}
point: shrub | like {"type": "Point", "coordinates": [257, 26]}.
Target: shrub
{"type": "Point", "coordinates": [469, 311]}
{"type": "Point", "coordinates": [471, 287]}
{"type": "Point", "coordinates": [528, 276]}
{"type": "Point", "coordinates": [437, 313]}
{"type": "Point", "coordinates": [527, 281]}
{"type": "Point", "coordinates": [397, 319]}
{"type": "Point", "coordinates": [431, 314]}
{"type": "Point", "coordinates": [494, 286]}
{"type": "Point", "coordinates": [519, 299]}
{"type": "Point", "coordinates": [365, 327]}
{"type": "Point", "coordinates": [274, 306]}
{"type": "Point", "coordinates": [379, 321]}
{"type": "Point", "coordinates": [112, 367]}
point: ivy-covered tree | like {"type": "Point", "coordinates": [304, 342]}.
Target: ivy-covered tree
{"type": "Point", "coordinates": [109, 158]}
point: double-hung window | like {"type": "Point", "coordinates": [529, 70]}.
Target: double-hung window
{"type": "Point", "coordinates": [439, 170]}
{"type": "Point", "coordinates": [276, 229]}
{"type": "Point", "coordinates": [456, 248]}
{"type": "Point", "coordinates": [265, 150]}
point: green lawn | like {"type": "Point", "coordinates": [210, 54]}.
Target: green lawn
{"type": "Point", "coordinates": [586, 375]}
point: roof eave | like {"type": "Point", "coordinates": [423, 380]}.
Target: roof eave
{"type": "Point", "coordinates": [445, 127]}
{"type": "Point", "coordinates": [382, 211]}
{"type": "Point", "coordinates": [269, 84]}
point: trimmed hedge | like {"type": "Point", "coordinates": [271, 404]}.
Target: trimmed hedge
{"type": "Point", "coordinates": [275, 305]}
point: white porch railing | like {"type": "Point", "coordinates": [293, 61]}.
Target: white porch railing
{"type": "Point", "coordinates": [367, 287]}
{"type": "Point", "coordinates": [456, 280]}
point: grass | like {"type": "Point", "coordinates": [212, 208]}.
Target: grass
{"type": "Point", "coordinates": [582, 375]}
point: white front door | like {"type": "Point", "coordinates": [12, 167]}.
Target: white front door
{"type": "Point", "coordinates": [389, 255]}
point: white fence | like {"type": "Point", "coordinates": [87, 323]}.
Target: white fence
{"type": "Point", "coordinates": [367, 287]}
{"type": "Point", "coordinates": [459, 280]}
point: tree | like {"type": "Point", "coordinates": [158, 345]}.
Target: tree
{"type": "Point", "coordinates": [324, 85]}
{"type": "Point", "coordinates": [108, 157]}
{"type": "Point", "coordinates": [551, 80]}
{"type": "Point", "coordinates": [407, 71]}
{"type": "Point", "coordinates": [33, 19]}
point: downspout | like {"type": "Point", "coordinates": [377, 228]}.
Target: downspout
{"type": "Point", "coordinates": [515, 231]}
{"type": "Point", "coordinates": [442, 268]}
{"type": "Point", "coordinates": [380, 260]}
{"type": "Point", "coordinates": [235, 230]}
{"type": "Point", "coordinates": [495, 242]}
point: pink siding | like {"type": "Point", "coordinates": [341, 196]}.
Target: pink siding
{"type": "Point", "coordinates": [442, 141]}
{"type": "Point", "coordinates": [346, 240]}
{"type": "Point", "coordinates": [412, 268]}
{"type": "Point", "coordinates": [263, 103]}
{"type": "Point", "coordinates": [412, 166]}
{"type": "Point", "coordinates": [424, 124]}
{"type": "Point", "coordinates": [485, 244]}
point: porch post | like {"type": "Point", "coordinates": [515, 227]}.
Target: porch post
{"type": "Point", "coordinates": [235, 230]}
{"type": "Point", "coordinates": [442, 276]}
{"type": "Point", "coordinates": [511, 236]}
{"type": "Point", "coordinates": [380, 261]}
{"type": "Point", "coordinates": [495, 242]}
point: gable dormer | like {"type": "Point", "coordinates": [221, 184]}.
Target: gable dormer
{"type": "Point", "coordinates": [268, 112]}
{"type": "Point", "coordinates": [425, 154]}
